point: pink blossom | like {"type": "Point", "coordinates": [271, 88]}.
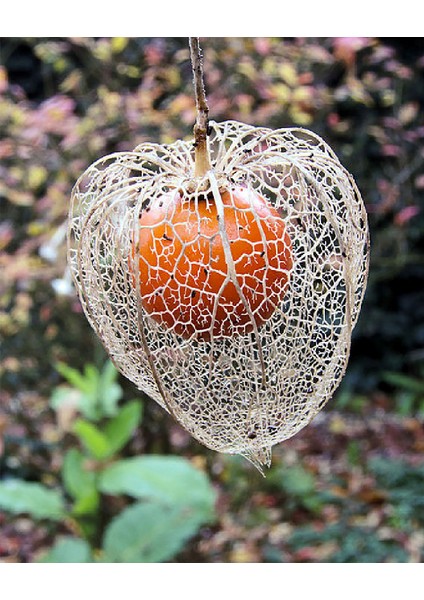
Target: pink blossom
{"type": "Point", "coordinates": [419, 182]}
{"type": "Point", "coordinates": [406, 214]}
{"type": "Point", "coordinates": [53, 116]}
{"type": "Point", "coordinates": [333, 119]}
{"type": "Point", "coordinates": [390, 150]}
{"type": "Point", "coordinates": [262, 46]}
{"type": "Point", "coordinates": [154, 52]}
{"type": "Point", "coordinates": [345, 48]}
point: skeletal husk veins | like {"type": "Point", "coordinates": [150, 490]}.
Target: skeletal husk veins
{"type": "Point", "coordinates": [262, 374]}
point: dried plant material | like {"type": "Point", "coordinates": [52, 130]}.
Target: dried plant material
{"type": "Point", "coordinates": [228, 298]}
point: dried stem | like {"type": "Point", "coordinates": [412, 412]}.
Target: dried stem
{"type": "Point", "coordinates": [202, 162]}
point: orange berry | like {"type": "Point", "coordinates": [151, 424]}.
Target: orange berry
{"type": "Point", "coordinates": [185, 269]}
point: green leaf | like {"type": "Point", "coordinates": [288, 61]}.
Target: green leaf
{"type": "Point", "coordinates": [82, 394]}
{"type": "Point", "coordinates": [298, 481]}
{"type": "Point", "coordinates": [87, 504]}
{"type": "Point", "coordinates": [92, 438]}
{"type": "Point", "coordinates": [89, 403]}
{"type": "Point", "coordinates": [75, 378]}
{"type": "Point", "coordinates": [170, 480]}
{"type": "Point", "coordinates": [109, 392]}
{"type": "Point", "coordinates": [99, 391]}
{"type": "Point", "coordinates": [75, 478]}
{"type": "Point", "coordinates": [109, 373]}
{"type": "Point", "coordinates": [120, 429]}
{"type": "Point", "coordinates": [109, 398]}
{"type": "Point", "coordinates": [399, 380]}
{"type": "Point", "coordinates": [64, 395]}
{"type": "Point", "coordinates": [40, 502]}
{"type": "Point", "coordinates": [69, 550]}
{"type": "Point", "coordinates": [295, 481]}
{"type": "Point", "coordinates": [149, 533]}
{"type": "Point", "coordinates": [79, 483]}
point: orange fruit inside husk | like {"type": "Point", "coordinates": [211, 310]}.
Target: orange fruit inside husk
{"type": "Point", "coordinates": [199, 281]}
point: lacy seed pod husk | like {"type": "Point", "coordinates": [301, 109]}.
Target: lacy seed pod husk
{"type": "Point", "coordinates": [232, 305]}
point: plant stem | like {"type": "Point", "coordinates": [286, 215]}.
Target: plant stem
{"type": "Point", "coordinates": [202, 162]}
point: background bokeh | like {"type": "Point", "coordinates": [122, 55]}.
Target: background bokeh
{"type": "Point", "coordinates": [348, 488]}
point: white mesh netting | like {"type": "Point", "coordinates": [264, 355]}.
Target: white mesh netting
{"type": "Point", "coordinates": [230, 299]}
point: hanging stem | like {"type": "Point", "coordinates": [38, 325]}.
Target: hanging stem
{"type": "Point", "coordinates": [202, 162]}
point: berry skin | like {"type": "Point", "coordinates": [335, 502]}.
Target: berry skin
{"type": "Point", "coordinates": [184, 271]}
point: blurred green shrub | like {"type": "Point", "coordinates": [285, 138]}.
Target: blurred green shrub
{"type": "Point", "coordinates": [344, 543]}
{"type": "Point", "coordinates": [95, 393]}
{"type": "Point", "coordinates": [409, 394]}
{"type": "Point", "coordinates": [298, 486]}
{"type": "Point", "coordinates": [405, 485]}
{"type": "Point", "coordinates": [351, 538]}
{"type": "Point", "coordinates": [172, 499]}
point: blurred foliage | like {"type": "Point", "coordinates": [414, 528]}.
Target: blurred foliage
{"type": "Point", "coordinates": [175, 498]}
{"type": "Point", "coordinates": [74, 100]}
{"type": "Point", "coordinates": [352, 538]}
{"type": "Point", "coordinates": [64, 102]}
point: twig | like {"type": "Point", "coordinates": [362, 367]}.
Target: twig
{"type": "Point", "coordinates": [202, 162]}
